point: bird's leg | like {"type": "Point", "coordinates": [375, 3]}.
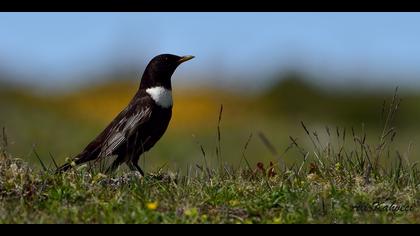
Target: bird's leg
{"type": "Point", "coordinates": [139, 169]}
{"type": "Point", "coordinates": [133, 160]}
{"type": "Point", "coordinates": [133, 165]}
{"type": "Point", "coordinates": [136, 165]}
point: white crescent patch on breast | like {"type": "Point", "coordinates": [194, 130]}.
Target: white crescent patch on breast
{"type": "Point", "coordinates": [161, 96]}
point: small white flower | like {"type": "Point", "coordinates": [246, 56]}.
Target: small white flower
{"type": "Point", "coordinates": [312, 177]}
{"type": "Point", "coordinates": [14, 168]}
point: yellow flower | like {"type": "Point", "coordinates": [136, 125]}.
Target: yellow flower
{"type": "Point", "coordinates": [152, 206]}
{"type": "Point", "coordinates": [204, 218]}
{"type": "Point", "coordinates": [234, 202]}
{"type": "Point", "coordinates": [192, 212]}
{"type": "Point", "coordinates": [98, 177]}
{"type": "Point", "coordinates": [248, 221]}
{"type": "Point", "coordinates": [337, 166]}
{"type": "Point", "coordinates": [277, 220]}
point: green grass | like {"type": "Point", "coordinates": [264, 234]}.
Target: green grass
{"type": "Point", "coordinates": [340, 177]}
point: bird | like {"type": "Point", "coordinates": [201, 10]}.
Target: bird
{"type": "Point", "coordinates": [140, 125]}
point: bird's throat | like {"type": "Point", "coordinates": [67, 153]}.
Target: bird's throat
{"type": "Point", "coordinates": [162, 96]}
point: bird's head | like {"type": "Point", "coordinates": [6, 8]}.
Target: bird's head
{"type": "Point", "coordinates": [160, 69]}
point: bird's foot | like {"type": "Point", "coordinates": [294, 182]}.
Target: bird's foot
{"type": "Point", "coordinates": [136, 174]}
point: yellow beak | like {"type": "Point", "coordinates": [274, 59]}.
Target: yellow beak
{"type": "Point", "coordinates": [185, 58]}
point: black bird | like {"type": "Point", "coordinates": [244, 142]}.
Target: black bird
{"type": "Point", "coordinates": [142, 123]}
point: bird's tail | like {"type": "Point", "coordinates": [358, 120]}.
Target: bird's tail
{"type": "Point", "coordinates": [69, 165]}
{"type": "Point", "coordinates": [79, 159]}
{"type": "Point", "coordinates": [63, 168]}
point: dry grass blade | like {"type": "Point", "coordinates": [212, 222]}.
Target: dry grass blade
{"type": "Point", "coordinates": [271, 148]}
{"type": "Point", "coordinates": [243, 152]}
{"type": "Point", "coordinates": [219, 138]}
{"type": "Point", "coordinates": [388, 130]}
{"type": "Point", "coordinates": [367, 173]}
{"type": "Point", "coordinates": [304, 127]}
{"type": "Point", "coordinates": [5, 142]}
{"type": "Point", "coordinates": [294, 142]}
{"type": "Point", "coordinates": [53, 160]}
{"type": "Point", "coordinates": [328, 131]}
{"type": "Point", "coordinates": [344, 134]}
{"type": "Point", "coordinates": [383, 110]}
{"type": "Point", "coordinates": [203, 152]}
{"type": "Point", "coordinates": [310, 137]}
{"type": "Point", "coordinates": [40, 160]}
{"type": "Point", "coordinates": [3, 146]}
{"type": "Point", "coordinates": [268, 144]}
{"type": "Point", "coordinates": [303, 163]}
{"type": "Point", "coordinates": [337, 130]}
{"type": "Point", "coordinates": [315, 134]}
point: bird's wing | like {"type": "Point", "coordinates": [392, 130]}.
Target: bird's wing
{"type": "Point", "coordinates": [125, 125]}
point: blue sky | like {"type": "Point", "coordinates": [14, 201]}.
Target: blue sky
{"type": "Point", "coordinates": [60, 48]}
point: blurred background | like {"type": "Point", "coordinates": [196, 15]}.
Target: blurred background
{"type": "Point", "coordinates": [65, 76]}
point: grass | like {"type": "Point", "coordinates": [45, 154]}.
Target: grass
{"type": "Point", "coordinates": [342, 177]}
